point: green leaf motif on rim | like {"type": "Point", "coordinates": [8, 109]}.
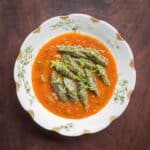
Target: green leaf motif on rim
{"type": "Point", "coordinates": [65, 24]}
{"type": "Point", "coordinates": [23, 61]}
{"type": "Point", "coordinates": [66, 127]}
{"type": "Point", "coordinates": [119, 95]}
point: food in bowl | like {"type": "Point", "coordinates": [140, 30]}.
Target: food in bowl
{"type": "Point", "coordinates": [74, 75]}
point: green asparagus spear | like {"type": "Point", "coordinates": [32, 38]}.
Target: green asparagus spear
{"type": "Point", "coordinates": [72, 50]}
{"type": "Point", "coordinates": [91, 80]}
{"type": "Point", "coordinates": [62, 68]}
{"type": "Point", "coordinates": [72, 65]}
{"type": "Point", "coordinates": [83, 93]}
{"type": "Point", "coordinates": [102, 74]}
{"type": "Point", "coordinates": [71, 89]}
{"type": "Point", "coordinates": [85, 63]}
{"type": "Point", "coordinates": [80, 52]}
{"type": "Point", "coordinates": [58, 86]}
{"type": "Point", "coordinates": [96, 57]}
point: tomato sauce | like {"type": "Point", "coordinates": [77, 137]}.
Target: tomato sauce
{"type": "Point", "coordinates": [41, 74]}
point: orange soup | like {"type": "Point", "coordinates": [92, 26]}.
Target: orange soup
{"type": "Point", "coordinates": [41, 75]}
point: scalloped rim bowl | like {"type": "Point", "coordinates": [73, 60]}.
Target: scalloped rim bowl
{"type": "Point", "coordinates": [89, 25]}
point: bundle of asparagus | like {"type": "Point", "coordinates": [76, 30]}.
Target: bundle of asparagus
{"type": "Point", "coordinates": [74, 73]}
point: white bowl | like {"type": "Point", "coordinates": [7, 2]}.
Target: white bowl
{"type": "Point", "coordinates": [84, 24]}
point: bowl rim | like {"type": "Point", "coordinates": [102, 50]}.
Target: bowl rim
{"type": "Point", "coordinates": [113, 29]}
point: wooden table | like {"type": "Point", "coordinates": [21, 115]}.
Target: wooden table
{"type": "Point", "coordinates": [131, 131]}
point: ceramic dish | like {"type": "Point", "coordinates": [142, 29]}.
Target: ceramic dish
{"type": "Point", "coordinates": [83, 24]}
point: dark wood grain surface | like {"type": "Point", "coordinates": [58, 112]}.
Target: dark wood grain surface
{"type": "Point", "coordinates": [131, 131]}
